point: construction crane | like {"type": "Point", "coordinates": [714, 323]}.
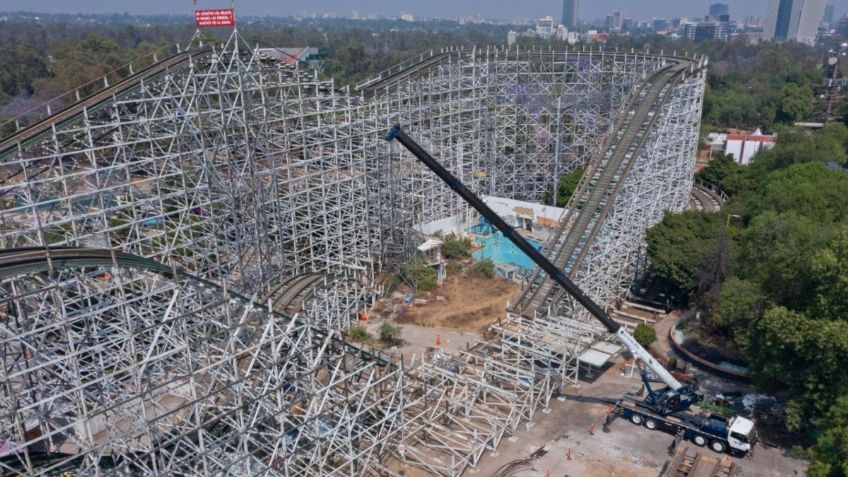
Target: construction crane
{"type": "Point", "coordinates": [666, 408]}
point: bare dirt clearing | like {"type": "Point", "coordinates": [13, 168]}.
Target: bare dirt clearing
{"type": "Point", "coordinates": [466, 301]}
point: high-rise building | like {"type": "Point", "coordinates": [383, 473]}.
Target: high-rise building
{"type": "Point", "coordinates": [569, 13]}
{"type": "Point", "coordinates": [797, 20]}
{"type": "Point", "coordinates": [617, 20]}
{"type": "Point", "coordinates": [717, 9]}
{"type": "Point", "coordinates": [828, 14]}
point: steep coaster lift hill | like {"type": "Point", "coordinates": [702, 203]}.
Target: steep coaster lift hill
{"type": "Point", "coordinates": [672, 408]}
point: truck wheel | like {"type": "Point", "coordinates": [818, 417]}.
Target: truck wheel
{"type": "Point", "coordinates": [699, 440]}
{"type": "Point", "coordinates": [650, 424]}
{"type": "Point", "coordinates": [717, 446]}
{"type": "Point", "coordinates": [636, 419]}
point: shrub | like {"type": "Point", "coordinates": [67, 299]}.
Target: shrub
{"type": "Point", "coordinates": [358, 333]}
{"type": "Point", "coordinates": [455, 247]}
{"type": "Point", "coordinates": [389, 334]}
{"type": "Point", "coordinates": [454, 267]}
{"type": "Point", "coordinates": [672, 363]}
{"type": "Point", "coordinates": [419, 275]}
{"type": "Point", "coordinates": [487, 267]}
{"type": "Point", "coordinates": [645, 335]}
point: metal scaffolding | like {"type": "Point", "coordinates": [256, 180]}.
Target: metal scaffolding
{"type": "Point", "coordinates": [117, 365]}
{"type": "Point", "coordinates": [184, 249]}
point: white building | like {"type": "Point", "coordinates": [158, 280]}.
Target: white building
{"type": "Point", "coordinates": [545, 27]}
{"type": "Point", "coordinates": [511, 38]}
{"type": "Point", "coordinates": [743, 147]}
{"type": "Point", "coordinates": [561, 33]}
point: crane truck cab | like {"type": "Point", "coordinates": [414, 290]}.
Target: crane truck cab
{"type": "Point", "coordinates": [721, 433]}
{"type": "Point", "coordinates": [742, 435]}
{"type": "Point", "coordinates": [704, 425]}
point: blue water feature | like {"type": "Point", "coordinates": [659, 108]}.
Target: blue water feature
{"type": "Point", "coordinates": [501, 250]}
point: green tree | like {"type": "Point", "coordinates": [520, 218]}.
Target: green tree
{"type": "Point", "coordinates": [796, 146]}
{"type": "Point", "coordinates": [775, 253]}
{"type": "Point", "coordinates": [454, 247]}
{"type": "Point", "coordinates": [726, 174]}
{"type": "Point", "coordinates": [645, 335]}
{"type": "Point", "coordinates": [419, 275]}
{"type": "Point", "coordinates": [487, 267]}
{"type": "Point", "coordinates": [741, 304]}
{"type": "Point", "coordinates": [796, 103]}
{"type": "Point", "coordinates": [566, 187]}
{"type": "Point", "coordinates": [350, 63]}
{"type": "Point", "coordinates": [389, 333]}
{"type": "Point", "coordinates": [830, 454]}
{"type": "Point", "coordinates": [829, 269]}
{"type": "Point", "coordinates": [807, 356]}
{"type": "Point", "coordinates": [358, 333]}
{"type": "Point", "coordinates": [678, 245]}
{"type": "Point", "coordinates": [811, 190]}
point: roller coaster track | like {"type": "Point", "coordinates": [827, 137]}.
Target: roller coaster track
{"type": "Point", "coordinates": [44, 125]}
{"type": "Point", "coordinates": [290, 294]}
{"type": "Point", "coordinates": [399, 73]}
{"type": "Point", "coordinates": [34, 260]}
{"type": "Point", "coordinates": [39, 260]}
{"type": "Point", "coordinates": [596, 194]}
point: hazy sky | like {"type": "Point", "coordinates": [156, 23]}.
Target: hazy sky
{"type": "Point", "coordinates": [589, 9]}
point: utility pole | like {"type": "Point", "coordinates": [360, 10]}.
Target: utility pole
{"type": "Point", "coordinates": [833, 61]}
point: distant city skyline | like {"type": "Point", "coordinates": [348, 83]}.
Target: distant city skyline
{"type": "Point", "coordinates": [570, 13]}
{"type": "Point", "coordinates": [503, 9]}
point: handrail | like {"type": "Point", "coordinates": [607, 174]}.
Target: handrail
{"type": "Point", "coordinates": [711, 188]}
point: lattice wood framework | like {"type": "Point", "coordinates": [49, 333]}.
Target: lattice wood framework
{"type": "Point", "coordinates": [241, 174]}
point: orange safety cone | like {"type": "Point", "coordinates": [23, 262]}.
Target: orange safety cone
{"type": "Point", "coordinates": [438, 340]}
{"type": "Point", "coordinates": [363, 317]}
{"type": "Point", "coordinates": [592, 430]}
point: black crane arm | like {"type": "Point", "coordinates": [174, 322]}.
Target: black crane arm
{"type": "Point", "coordinates": [555, 273]}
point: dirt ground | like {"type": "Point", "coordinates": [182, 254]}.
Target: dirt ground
{"type": "Point", "coordinates": [467, 301]}
{"type": "Point", "coordinates": [573, 443]}
{"type": "Point", "coordinates": [567, 438]}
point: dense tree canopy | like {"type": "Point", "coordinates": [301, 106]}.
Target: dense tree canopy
{"type": "Point", "coordinates": [679, 245]}
{"type": "Point", "coordinates": [760, 86]}
{"type": "Point", "coordinates": [830, 455]}
{"type": "Point", "coordinates": [784, 302]}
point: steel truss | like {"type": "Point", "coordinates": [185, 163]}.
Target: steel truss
{"type": "Point", "coordinates": [658, 182]}
{"type": "Point", "coordinates": [118, 370]}
{"type": "Point", "coordinates": [246, 175]}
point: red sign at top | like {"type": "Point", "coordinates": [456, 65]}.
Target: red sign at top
{"type": "Point", "coordinates": [217, 17]}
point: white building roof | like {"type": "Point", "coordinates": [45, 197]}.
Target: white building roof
{"type": "Point", "coordinates": [506, 207]}
{"type": "Point", "coordinates": [430, 245]}
{"type": "Point", "coordinates": [594, 358]}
